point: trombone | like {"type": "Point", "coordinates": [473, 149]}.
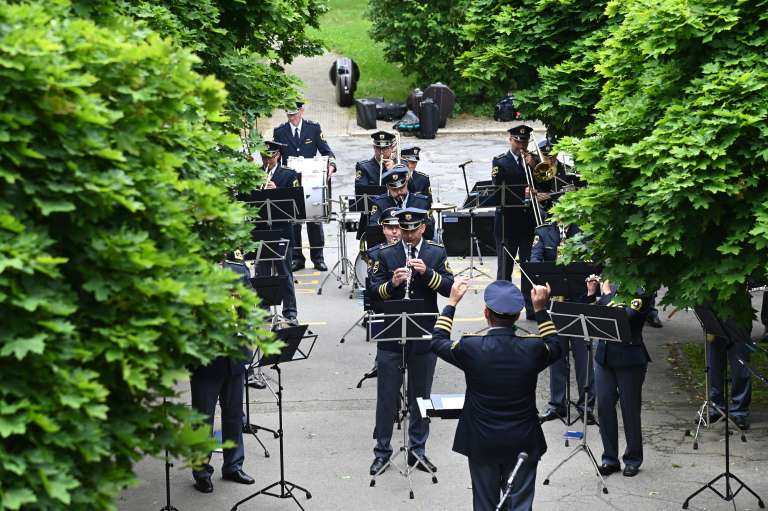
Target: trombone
{"type": "Point", "coordinates": [530, 181]}
{"type": "Point", "coordinates": [381, 159]}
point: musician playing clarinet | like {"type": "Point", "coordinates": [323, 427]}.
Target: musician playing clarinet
{"type": "Point", "coordinates": [499, 419]}
{"type": "Point", "coordinates": [420, 267]}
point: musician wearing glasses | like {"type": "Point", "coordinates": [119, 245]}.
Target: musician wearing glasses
{"type": "Point", "coordinates": [418, 269]}
{"type": "Point", "coordinates": [305, 138]}
{"type": "Point", "coordinates": [368, 172]}
{"type": "Point", "coordinates": [513, 226]}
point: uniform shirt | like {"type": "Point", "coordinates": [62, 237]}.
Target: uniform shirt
{"type": "Point", "coordinates": [311, 140]}
{"type": "Point", "coordinates": [506, 170]}
{"type": "Point", "coordinates": [438, 278]}
{"type": "Point", "coordinates": [546, 241]}
{"type": "Point", "coordinates": [501, 368]}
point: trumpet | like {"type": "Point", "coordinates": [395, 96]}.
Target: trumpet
{"type": "Point", "coordinates": [409, 268]}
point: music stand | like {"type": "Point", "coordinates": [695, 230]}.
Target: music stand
{"type": "Point", "coordinates": [504, 196]}
{"type": "Point", "coordinates": [168, 506]}
{"type": "Point", "coordinates": [402, 321]}
{"type": "Point", "coordinates": [713, 325]}
{"type": "Point", "coordinates": [276, 205]}
{"type": "Point", "coordinates": [588, 322]}
{"type": "Point", "coordinates": [291, 352]}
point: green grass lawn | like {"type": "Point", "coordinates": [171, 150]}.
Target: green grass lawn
{"type": "Point", "coordinates": [692, 369]}
{"type": "Point", "coordinates": [344, 30]}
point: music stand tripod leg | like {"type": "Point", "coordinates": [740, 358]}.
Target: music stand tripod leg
{"type": "Point", "coordinates": [359, 322]}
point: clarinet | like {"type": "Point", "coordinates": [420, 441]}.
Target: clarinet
{"type": "Point", "coordinates": [410, 271]}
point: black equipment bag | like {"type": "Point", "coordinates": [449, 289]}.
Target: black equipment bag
{"type": "Point", "coordinates": [505, 109]}
{"type": "Point", "coordinates": [390, 111]}
{"type": "Point", "coordinates": [444, 97]}
{"type": "Point", "coordinates": [429, 119]}
{"type": "Point", "coordinates": [414, 98]}
{"type": "Point", "coordinates": [409, 123]}
{"type": "Point", "coordinates": [366, 114]}
{"type": "Point", "coordinates": [344, 75]}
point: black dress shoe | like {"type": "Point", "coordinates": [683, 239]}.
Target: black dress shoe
{"type": "Point", "coordinates": [297, 266]}
{"type": "Point", "coordinates": [630, 471]}
{"type": "Point", "coordinates": [320, 266]}
{"type": "Point", "coordinates": [590, 418]}
{"type": "Point", "coordinates": [292, 321]}
{"type": "Point", "coordinates": [378, 462]}
{"type": "Point", "coordinates": [607, 470]}
{"type": "Point", "coordinates": [551, 414]}
{"type": "Point", "coordinates": [204, 485]}
{"type": "Point", "coordinates": [239, 476]}
{"type": "Point", "coordinates": [425, 465]}
{"type": "Point", "coordinates": [654, 321]}
{"type": "Point", "coordinates": [741, 421]}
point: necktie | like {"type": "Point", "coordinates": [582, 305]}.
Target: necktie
{"type": "Point", "coordinates": [413, 252]}
{"type": "Point", "coordinates": [296, 134]}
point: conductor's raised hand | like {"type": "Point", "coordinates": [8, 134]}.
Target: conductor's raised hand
{"type": "Point", "coordinates": [540, 297]}
{"type": "Point", "coordinates": [458, 290]}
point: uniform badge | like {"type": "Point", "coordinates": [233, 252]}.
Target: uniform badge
{"type": "Point", "coordinates": [495, 172]}
{"type": "Point", "coordinates": [358, 174]}
{"type": "Point", "coordinates": [296, 183]}
{"type": "Point", "coordinates": [322, 136]}
{"type": "Point", "coordinates": [238, 255]}
{"type": "Point", "coordinates": [535, 239]}
{"type": "Point", "coordinates": [374, 208]}
{"type": "Point", "coordinates": [447, 267]}
{"type": "Point", "coordinates": [408, 216]}
{"type": "Point", "coordinates": [376, 266]}
{"type": "Point", "coordinates": [636, 304]}
{"type": "Point", "coordinates": [308, 141]}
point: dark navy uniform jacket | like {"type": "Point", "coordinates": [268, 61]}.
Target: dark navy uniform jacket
{"type": "Point", "coordinates": [228, 366]}
{"type": "Point", "coordinates": [546, 242]}
{"type": "Point", "coordinates": [506, 171]}
{"type": "Point", "coordinates": [619, 355]}
{"type": "Point", "coordinates": [367, 173]}
{"type": "Point", "coordinates": [419, 183]}
{"type": "Point", "coordinates": [437, 279]}
{"type": "Point", "coordinates": [311, 140]}
{"type": "Point", "coordinates": [501, 368]}
{"type": "Point", "coordinates": [385, 201]}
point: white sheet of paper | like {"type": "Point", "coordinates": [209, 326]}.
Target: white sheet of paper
{"type": "Point", "coordinates": [453, 402]}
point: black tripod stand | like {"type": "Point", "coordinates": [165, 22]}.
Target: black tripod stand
{"type": "Point", "coordinates": [292, 336]}
{"type": "Point", "coordinates": [168, 465]}
{"type": "Point", "coordinates": [713, 325]}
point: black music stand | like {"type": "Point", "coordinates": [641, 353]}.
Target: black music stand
{"type": "Point", "coordinates": [712, 324]}
{"type": "Point", "coordinates": [276, 205]}
{"type": "Point", "coordinates": [588, 322]}
{"type": "Point", "coordinates": [291, 352]}
{"type": "Point", "coordinates": [168, 506]}
{"type": "Point", "coordinates": [363, 198]}
{"type": "Point", "coordinates": [505, 197]}
{"type": "Point", "coordinates": [402, 321]}
{"type": "Point", "coordinates": [564, 280]}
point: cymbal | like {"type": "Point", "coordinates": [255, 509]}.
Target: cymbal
{"type": "Point", "coordinates": [440, 206]}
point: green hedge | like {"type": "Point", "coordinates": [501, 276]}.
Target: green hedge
{"type": "Point", "coordinates": [112, 208]}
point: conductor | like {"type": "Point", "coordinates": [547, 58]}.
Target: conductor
{"type": "Point", "coordinates": [499, 419]}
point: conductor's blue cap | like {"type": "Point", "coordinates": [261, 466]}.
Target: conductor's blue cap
{"type": "Point", "coordinates": [503, 298]}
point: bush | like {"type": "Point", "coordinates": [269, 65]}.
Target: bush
{"type": "Point", "coordinates": [676, 157]}
{"type": "Point", "coordinates": [111, 208]}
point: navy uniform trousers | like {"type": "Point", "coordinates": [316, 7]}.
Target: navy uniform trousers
{"type": "Point", "coordinates": [558, 376]}
{"type": "Point", "coordinates": [740, 385]}
{"type": "Point", "coordinates": [208, 388]}
{"type": "Point", "coordinates": [486, 483]}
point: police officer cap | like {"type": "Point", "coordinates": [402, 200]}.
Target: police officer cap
{"type": "Point", "coordinates": [503, 298]}
{"type": "Point", "coordinates": [411, 218]}
{"type": "Point", "coordinates": [520, 132]}
{"type": "Point", "coordinates": [395, 177]}
{"type": "Point", "coordinates": [383, 139]}
{"type": "Point", "coordinates": [389, 217]}
{"type": "Point", "coordinates": [545, 146]}
{"type": "Point", "coordinates": [273, 147]}
{"type": "Point", "coordinates": [410, 153]}
{"type": "Point", "coordinates": [295, 110]}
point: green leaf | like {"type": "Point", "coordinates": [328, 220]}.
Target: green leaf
{"type": "Point", "coordinates": [20, 347]}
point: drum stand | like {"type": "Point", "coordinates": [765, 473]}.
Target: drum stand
{"type": "Point", "coordinates": [347, 267]}
{"type": "Point", "coordinates": [473, 244]}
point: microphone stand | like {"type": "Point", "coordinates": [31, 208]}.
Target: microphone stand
{"type": "Point", "coordinates": [521, 458]}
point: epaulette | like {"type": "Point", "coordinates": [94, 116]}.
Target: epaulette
{"type": "Point", "coordinates": [420, 195]}
{"type": "Point", "coordinates": [435, 243]}
{"type": "Point", "coordinates": [420, 172]}
{"type": "Point", "coordinates": [363, 162]}
{"type": "Point", "coordinates": [500, 156]}
{"type": "Point", "coordinates": [390, 245]}
{"type": "Point", "coordinates": [528, 336]}
{"type": "Point", "coordinates": [284, 124]}
{"type": "Point", "coordinates": [310, 122]}
{"type": "Point", "coordinates": [479, 333]}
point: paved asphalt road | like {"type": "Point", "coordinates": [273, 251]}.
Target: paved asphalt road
{"type": "Point", "coordinates": [329, 422]}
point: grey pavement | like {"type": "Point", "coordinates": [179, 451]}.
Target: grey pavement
{"type": "Point", "coordinates": [329, 423]}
